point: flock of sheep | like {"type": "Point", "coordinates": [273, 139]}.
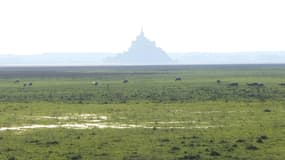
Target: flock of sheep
{"type": "Point", "coordinates": [95, 83]}
{"type": "Point", "coordinates": [233, 84]}
{"type": "Point", "coordinates": [25, 84]}
{"type": "Point", "coordinates": [253, 84]}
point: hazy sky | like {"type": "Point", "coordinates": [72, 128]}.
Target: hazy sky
{"type": "Point", "coordinates": [41, 26]}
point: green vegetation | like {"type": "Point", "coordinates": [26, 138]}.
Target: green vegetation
{"type": "Point", "coordinates": [63, 115]}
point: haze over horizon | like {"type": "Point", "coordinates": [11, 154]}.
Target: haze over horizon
{"type": "Point", "coordinates": [63, 26]}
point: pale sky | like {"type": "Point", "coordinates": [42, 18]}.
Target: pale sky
{"type": "Point", "coordinates": [43, 26]}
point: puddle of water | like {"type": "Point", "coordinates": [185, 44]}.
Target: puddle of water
{"type": "Point", "coordinates": [177, 122]}
{"type": "Point", "coordinates": [95, 121]}
{"type": "Point", "coordinates": [49, 117]}
{"type": "Point", "coordinates": [200, 112]}
{"type": "Point", "coordinates": [103, 117]}
{"type": "Point", "coordinates": [96, 125]}
{"type": "Point", "coordinates": [75, 117]}
{"type": "Point", "coordinates": [209, 112]}
{"type": "Point", "coordinates": [193, 127]}
{"type": "Point", "coordinates": [27, 127]}
{"type": "Point", "coordinates": [237, 111]}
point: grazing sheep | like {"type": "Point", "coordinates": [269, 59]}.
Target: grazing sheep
{"type": "Point", "coordinates": [282, 84]}
{"type": "Point", "coordinates": [30, 83]}
{"type": "Point", "coordinates": [267, 110]}
{"type": "Point", "coordinates": [125, 81]}
{"type": "Point", "coordinates": [255, 84]}
{"type": "Point", "coordinates": [178, 79]}
{"type": "Point", "coordinates": [234, 84]}
{"type": "Point", "coordinates": [95, 83]}
{"type": "Point", "coordinates": [260, 85]}
{"type": "Point", "coordinates": [252, 84]}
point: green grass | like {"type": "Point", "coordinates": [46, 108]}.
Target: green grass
{"type": "Point", "coordinates": [175, 114]}
{"type": "Point", "coordinates": [235, 121]}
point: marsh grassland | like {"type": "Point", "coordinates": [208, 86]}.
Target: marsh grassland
{"type": "Point", "coordinates": [233, 112]}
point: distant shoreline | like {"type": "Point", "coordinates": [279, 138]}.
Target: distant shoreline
{"type": "Point", "coordinates": [159, 65]}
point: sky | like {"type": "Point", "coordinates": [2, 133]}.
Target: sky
{"type": "Point", "coordinates": [46, 26]}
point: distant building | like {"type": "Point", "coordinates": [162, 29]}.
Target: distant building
{"type": "Point", "coordinates": [142, 51]}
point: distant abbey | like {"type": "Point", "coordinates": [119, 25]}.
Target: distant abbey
{"type": "Point", "coordinates": [142, 51]}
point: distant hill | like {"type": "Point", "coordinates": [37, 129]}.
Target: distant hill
{"type": "Point", "coordinates": [142, 51]}
{"type": "Point", "coordinates": [55, 59]}
{"type": "Point", "coordinates": [178, 58]}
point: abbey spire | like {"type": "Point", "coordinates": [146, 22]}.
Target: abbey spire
{"type": "Point", "coordinates": [142, 33]}
{"type": "Point", "coordinates": [142, 51]}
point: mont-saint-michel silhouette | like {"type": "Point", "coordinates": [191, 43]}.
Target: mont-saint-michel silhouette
{"type": "Point", "coordinates": [142, 51]}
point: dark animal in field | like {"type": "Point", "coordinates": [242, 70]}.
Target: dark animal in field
{"type": "Point", "coordinates": [252, 84]}
{"type": "Point", "coordinates": [234, 84]}
{"type": "Point", "coordinates": [95, 83]}
{"type": "Point", "coordinates": [260, 85]}
{"type": "Point", "coordinates": [214, 153]}
{"type": "Point", "coordinates": [30, 83]}
{"type": "Point", "coordinates": [267, 110]}
{"type": "Point", "coordinates": [282, 84]}
{"type": "Point", "coordinates": [24, 84]}
{"type": "Point", "coordinates": [251, 147]}
{"type": "Point", "coordinates": [125, 81]}
{"type": "Point", "coordinates": [255, 84]}
{"type": "Point", "coordinates": [261, 139]}
{"type": "Point", "coordinates": [178, 79]}
{"type": "Point", "coordinates": [17, 81]}
{"type": "Point", "coordinates": [218, 81]}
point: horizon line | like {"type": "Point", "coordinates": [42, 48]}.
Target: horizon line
{"type": "Point", "coordinates": [96, 52]}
